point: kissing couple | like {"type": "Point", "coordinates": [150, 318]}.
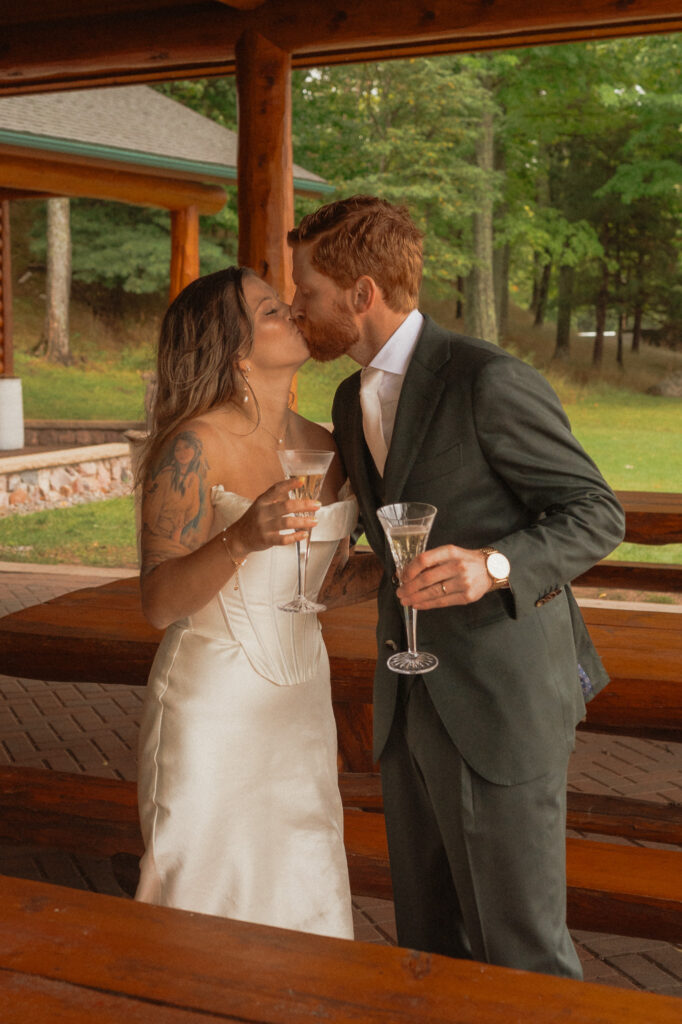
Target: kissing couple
{"type": "Point", "coordinates": [238, 790]}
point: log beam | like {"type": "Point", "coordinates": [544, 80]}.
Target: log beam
{"type": "Point", "coordinates": [184, 249]}
{"type": "Point", "coordinates": [265, 186]}
{"type": "Point", "coordinates": [19, 193]}
{"type": "Point", "coordinates": [6, 349]}
{"type": "Point", "coordinates": [33, 173]}
{"type": "Point", "coordinates": [194, 40]}
{"type": "Point", "coordinates": [243, 5]}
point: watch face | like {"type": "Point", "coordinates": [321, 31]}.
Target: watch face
{"type": "Point", "coordinates": [498, 565]}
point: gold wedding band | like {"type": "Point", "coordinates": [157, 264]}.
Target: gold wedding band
{"type": "Point", "coordinates": [442, 587]}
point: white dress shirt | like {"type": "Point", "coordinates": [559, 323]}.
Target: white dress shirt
{"type": "Point", "coordinates": [393, 359]}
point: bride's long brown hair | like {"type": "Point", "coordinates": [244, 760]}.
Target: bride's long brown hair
{"type": "Point", "coordinates": [204, 334]}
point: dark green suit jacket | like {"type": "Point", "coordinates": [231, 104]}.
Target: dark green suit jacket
{"type": "Point", "coordinates": [482, 436]}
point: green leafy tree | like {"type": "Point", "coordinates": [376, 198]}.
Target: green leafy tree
{"type": "Point", "coordinates": [406, 130]}
{"type": "Point", "coordinates": [126, 249]}
{"type": "Point", "coordinates": [600, 130]}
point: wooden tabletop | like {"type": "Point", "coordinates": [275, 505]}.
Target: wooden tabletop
{"type": "Point", "coordinates": [81, 957]}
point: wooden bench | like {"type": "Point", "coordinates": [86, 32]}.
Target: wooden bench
{"type": "Point", "coordinates": [615, 889]}
{"type": "Point", "coordinates": [80, 957]}
{"type": "Point", "coordinates": [98, 634]}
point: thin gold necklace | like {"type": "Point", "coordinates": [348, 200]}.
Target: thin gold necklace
{"type": "Point", "coordinates": [283, 430]}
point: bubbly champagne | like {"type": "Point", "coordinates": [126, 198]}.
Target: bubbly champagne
{"type": "Point", "coordinates": [406, 543]}
{"type": "Point", "coordinates": [309, 485]}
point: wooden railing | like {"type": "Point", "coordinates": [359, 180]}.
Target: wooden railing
{"type": "Point", "coordinates": [650, 518]}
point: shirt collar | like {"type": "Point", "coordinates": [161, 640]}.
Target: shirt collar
{"type": "Point", "coordinates": [394, 356]}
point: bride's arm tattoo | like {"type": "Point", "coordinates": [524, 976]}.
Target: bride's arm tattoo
{"type": "Point", "coordinates": [176, 513]}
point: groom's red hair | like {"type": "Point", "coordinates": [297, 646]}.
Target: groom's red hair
{"type": "Point", "coordinates": [366, 235]}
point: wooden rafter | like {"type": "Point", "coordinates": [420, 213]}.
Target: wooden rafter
{"type": "Point", "coordinates": [243, 5]}
{"type": "Point", "coordinates": [145, 43]}
{"type": "Point", "coordinates": [7, 194]}
{"type": "Point", "coordinates": [19, 171]}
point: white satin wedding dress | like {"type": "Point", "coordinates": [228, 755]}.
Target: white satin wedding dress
{"type": "Point", "coordinates": [238, 792]}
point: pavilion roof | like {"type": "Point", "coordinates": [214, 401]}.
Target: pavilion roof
{"type": "Point", "coordinates": [135, 125]}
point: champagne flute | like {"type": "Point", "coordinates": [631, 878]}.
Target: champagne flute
{"type": "Point", "coordinates": [309, 468]}
{"type": "Point", "coordinates": [407, 526]}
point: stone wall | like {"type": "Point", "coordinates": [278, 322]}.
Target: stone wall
{"type": "Point", "coordinates": [65, 433]}
{"type": "Point", "coordinates": [73, 476]}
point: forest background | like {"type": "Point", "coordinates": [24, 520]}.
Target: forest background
{"type": "Point", "coordinates": [547, 181]}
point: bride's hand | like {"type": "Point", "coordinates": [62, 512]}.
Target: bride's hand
{"type": "Point", "coordinates": [273, 518]}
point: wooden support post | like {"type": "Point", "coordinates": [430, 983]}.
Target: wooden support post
{"type": "Point", "coordinates": [265, 161]}
{"type": "Point", "coordinates": [184, 249]}
{"type": "Point", "coordinates": [6, 350]}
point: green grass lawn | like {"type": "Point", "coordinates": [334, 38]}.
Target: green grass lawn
{"type": "Point", "coordinates": [635, 439]}
{"type": "Point", "coordinates": [101, 391]}
{"type": "Point", "coordinates": [99, 533]}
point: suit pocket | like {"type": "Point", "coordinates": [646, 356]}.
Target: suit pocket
{"type": "Point", "coordinates": [439, 464]}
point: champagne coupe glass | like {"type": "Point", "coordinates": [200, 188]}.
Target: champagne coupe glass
{"type": "Point", "coordinates": [407, 526]}
{"type": "Point", "coordinates": [309, 468]}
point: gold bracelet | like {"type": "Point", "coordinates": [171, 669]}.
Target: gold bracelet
{"type": "Point", "coordinates": [236, 562]}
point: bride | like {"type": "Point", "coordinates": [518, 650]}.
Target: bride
{"type": "Point", "coordinates": [238, 795]}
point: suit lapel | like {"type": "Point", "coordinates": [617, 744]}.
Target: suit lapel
{"type": "Point", "coordinates": [419, 397]}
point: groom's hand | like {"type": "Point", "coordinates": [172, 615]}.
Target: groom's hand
{"type": "Point", "coordinates": [444, 576]}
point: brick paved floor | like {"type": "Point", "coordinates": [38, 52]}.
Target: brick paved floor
{"type": "Point", "coordinates": [92, 728]}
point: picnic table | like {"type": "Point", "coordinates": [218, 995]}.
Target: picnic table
{"type": "Point", "coordinates": [80, 957]}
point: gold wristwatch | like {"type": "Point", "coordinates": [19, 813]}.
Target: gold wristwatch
{"type": "Point", "coordinates": [497, 566]}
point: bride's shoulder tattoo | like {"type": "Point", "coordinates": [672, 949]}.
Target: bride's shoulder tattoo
{"type": "Point", "coordinates": [175, 500]}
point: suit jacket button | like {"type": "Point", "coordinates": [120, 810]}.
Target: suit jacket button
{"type": "Point", "coordinates": [392, 644]}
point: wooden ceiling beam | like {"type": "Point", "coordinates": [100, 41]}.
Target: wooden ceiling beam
{"type": "Point", "coordinates": [29, 173]}
{"type": "Point", "coordinates": [243, 5]}
{"type": "Point", "coordinates": [200, 39]}
{"type": "Point", "coordinates": [20, 193]}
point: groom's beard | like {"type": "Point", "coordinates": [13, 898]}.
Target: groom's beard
{"type": "Point", "coordinates": [332, 338]}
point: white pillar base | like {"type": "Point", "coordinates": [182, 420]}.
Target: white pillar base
{"type": "Point", "coordinates": [11, 414]}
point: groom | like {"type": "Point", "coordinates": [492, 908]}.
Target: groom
{"type": "Point", "coordinates": [473, 754]}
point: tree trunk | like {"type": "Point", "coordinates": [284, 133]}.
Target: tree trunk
{"type": "Point", "coordinates": [619, 348]}
{"type": "Point", "coordinates": [537, 270]}
{"type": "Point", "coordinates": [600, 317]}
{"type": "Point", "coordinates": [564, 309]}
{"type": "Point", "coordinates": [501, 273]}
{"type": "Point", "coordinates": [480, 311]}
{"type": "Point", "coordinates": [543, 293]}
{"type": "Point", "coordinates": [637, 329]}
{"type": "Point", "coordinates": [459, 308]}
{"type": "Point", "coordinates": [58, 287]}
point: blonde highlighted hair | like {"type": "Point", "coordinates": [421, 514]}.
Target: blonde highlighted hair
{"type": "Point", "coordinates": [366, 235]}
{"type": "Point", "coordinates": [204, 334]}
